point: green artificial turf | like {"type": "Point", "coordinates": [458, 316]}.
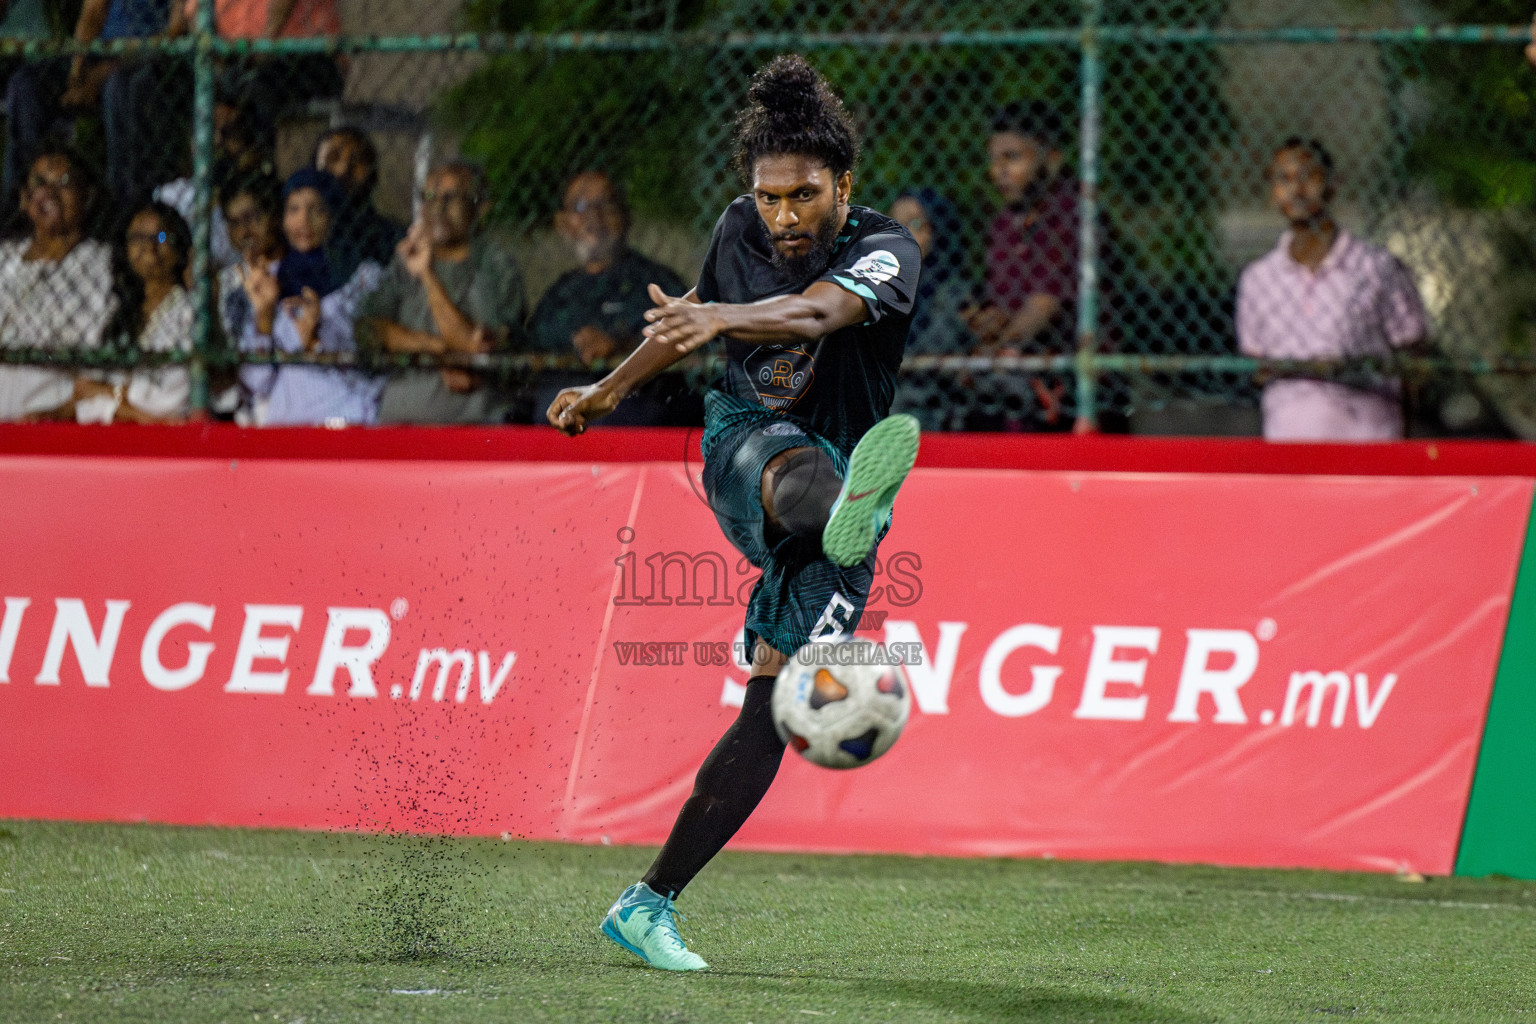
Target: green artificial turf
{"type": "Point", "coordinates": [117, 923]}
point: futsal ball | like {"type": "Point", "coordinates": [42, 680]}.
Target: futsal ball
{"type": "Point", "coordinates": [841, 704]}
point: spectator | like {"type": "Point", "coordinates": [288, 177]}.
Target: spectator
{"type": "Point", "coordinates": [1032, 269]}
{"type": "Point", "coordinates": [361, 232]}
{"type": "Point", "coordinates": [252, 207]}
{"type": "Point", "coordinates": [448, 289]}
{"type": "Point", "coordinates": [145, 102]}
{"type": "Point", "coordinates": [305, 306]}
{"type": "Point", "coordinates": [31, 99]}
{"type": "Point", "coordinates": [1322, 293]}
{"type": "Point", "coordinates": [55, 285]}
{"type": "Point", "coordinates": [243, 146]}
{"type": "Point", "coordinates": [154, 311]}
{"type": "Point", "coordinates": [937, 326]}
{"type": "Point", "coordinates": [598, 309]}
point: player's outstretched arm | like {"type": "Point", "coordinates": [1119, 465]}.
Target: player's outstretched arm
{"type": "Point", "coordinates": [685, 324]}
{"type": "Point", "coordinates": [574, 408]}
{"type": "Point", "coordinates": [680, 324]}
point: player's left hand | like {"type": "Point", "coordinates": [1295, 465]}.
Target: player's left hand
{"type": "Point", "coordinates": [574, 408]}
{"type": "Point", "coordinates": [677, 322]}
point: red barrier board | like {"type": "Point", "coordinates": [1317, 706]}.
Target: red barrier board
{"type": "Point", "coordinates": [1238, 669]}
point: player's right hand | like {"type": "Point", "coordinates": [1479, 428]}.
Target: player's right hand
{"type": "Point", "coordinates": [574, 408]}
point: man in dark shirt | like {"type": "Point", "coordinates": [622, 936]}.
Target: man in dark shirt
{"type": "Point", "coordinates": [1030, 297]}
{"type": "Point", "coordinates": [361, 232]}
{"type": "Point", "coordinates": [598, 309]}
{"type": "Point", "coordinates": [813, 298]}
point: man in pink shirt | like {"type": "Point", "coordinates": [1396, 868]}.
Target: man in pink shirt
{"type": "Point", "coordinates": [1323, 294]}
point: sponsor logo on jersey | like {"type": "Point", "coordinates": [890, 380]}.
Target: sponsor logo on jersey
{"type": "Point", "coordinates": [782, 430]}
{"type": "Point", "coordinates": [876, 268]}
{"type": "Point", "coordinates": [780, 376]}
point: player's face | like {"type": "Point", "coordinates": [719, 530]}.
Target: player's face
{"type": "Point", "coordinates": [1014, 163]}
{"type": "Point", "coordinates": [1299, 185]}
{"type": "Point", "coordinates": [802, 204]}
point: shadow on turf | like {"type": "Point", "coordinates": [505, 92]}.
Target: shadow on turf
{"type": "Point", "coordinates": [988, 1001]}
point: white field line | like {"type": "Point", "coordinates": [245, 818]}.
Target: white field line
{"type": "Point", "coordinates": [1331, 897]}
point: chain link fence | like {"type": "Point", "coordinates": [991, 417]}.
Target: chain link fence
{"type": "Point", "coordinates": [156, 264]}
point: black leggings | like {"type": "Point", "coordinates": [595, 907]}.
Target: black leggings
{"type": "Point", "coordinates": [730, 784]}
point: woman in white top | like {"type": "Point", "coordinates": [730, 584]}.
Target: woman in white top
{"type": "Point", "coordinates": [156, 312]}
{"type": "Point", "coordinates": [55, 286]}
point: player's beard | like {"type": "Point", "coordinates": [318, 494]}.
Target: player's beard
{"type": "Point", "coordinates": [816, 259]}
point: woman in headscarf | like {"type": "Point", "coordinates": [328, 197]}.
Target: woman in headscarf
{"type": "Point", "coordinates": [937, 326]}
{"type": "Point", "coordinates": [307, 305]}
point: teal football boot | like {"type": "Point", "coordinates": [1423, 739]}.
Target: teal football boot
{"type": "Point", "coordinates": [642, 921]}
{"type": "Point", "coordinates": [879, 464]}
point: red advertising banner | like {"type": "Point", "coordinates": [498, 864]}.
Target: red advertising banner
{"type": "Point", "coordinates": [1240, 669]}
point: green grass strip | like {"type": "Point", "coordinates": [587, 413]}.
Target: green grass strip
{"type": "Point", "coordinates": [107, 923]}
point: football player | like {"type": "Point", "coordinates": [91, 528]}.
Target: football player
{"type": "Point", "coordinates": [813, 298]}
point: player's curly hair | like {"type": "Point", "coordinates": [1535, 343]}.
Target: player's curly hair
{"type": "Point", "coordinates": [791, 109]}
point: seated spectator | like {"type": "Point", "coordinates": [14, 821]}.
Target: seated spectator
{"type": "Point", "coordinates": [302, 305]}
{"type": "Point", "coordinates": [597, 311]}
{"type": "Point", "coordinates": [1322, 293]}
{"type": "Point", "coordinates": [145, 101]}
{"type": "Point", "coordinates": [253, 210]}
{"type": "Point", "coordinates": [55, 286]}
{"type": "Point", "coordinates": [243, 147]}
{"type": "Point", "coordinates": [938, 328]}
{"type": "Point", "coordinates": [448, 289]}
{"type": "Point", "coordinates": [361, 232]}
{"type": "Point", "coordinates": [1030, 295]}
{"type": "Point", "coordinates": [154, 311]}
{"type": "Point", "coordinates": [31, 99]}
{"type": "Point", "coordinates": [943, 291]}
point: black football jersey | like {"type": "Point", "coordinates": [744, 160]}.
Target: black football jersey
{"type": "Point", "coordinates": [841, 384]}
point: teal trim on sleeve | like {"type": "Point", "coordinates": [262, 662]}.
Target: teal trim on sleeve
{"type": "Point", "coordinates": [858, 289]}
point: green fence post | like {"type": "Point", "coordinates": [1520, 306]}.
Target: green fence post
{"type": "Point", "coordinates": [1088, 214]}
{"type": "Point", "coordinates": [202, 202]}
